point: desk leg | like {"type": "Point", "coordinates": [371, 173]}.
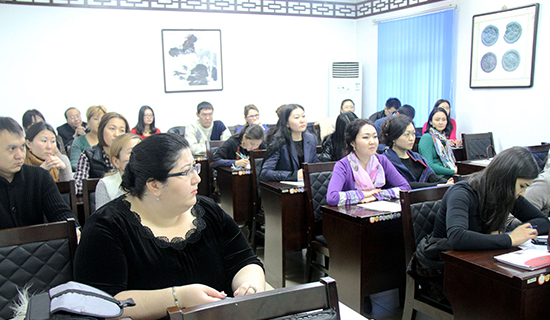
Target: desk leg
{"type": "Point", "coordinates": [274, 255]}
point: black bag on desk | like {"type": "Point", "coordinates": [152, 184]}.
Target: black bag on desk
{"type": "Point", "coordinates": [73, 300]}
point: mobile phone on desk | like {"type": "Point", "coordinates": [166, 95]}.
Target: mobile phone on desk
{"type": "Point", "coordinates": [540, 240]}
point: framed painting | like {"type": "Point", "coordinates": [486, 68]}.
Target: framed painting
{"type": "Point", "coordinates": [192, 60]}
{"type": "Point", "coordinates": [503, 48]}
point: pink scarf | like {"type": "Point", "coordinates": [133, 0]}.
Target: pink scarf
{"type": "Point", "coordinates": [370, 178]}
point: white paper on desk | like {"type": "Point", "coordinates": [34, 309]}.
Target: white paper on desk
{"type": "Point", "coordinates": [382, 206]}
{"type": "Point", "coordinates": [530, 245]}
{"type": "Point", "coordinates": [482, 162]}
{"type": "Point", "coordinates": [294, 183]}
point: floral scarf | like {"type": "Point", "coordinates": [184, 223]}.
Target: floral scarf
{"type": "Point", "coordinates": [443, 149]}
{"type": "Point", "coordinates": [370, 178]}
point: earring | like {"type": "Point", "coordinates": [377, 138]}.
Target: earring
{"type": "Point", "coordinates": [158, 199]}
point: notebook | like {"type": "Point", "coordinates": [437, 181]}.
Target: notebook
{"type": "Point", "coordinates": [528, 259]}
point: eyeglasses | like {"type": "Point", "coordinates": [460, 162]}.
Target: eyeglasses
{"type": "Point", "coordinates": [148, 116]}
{"type": "Point", "coordinates": [187, 173]}
{"type": "Point", "coordinates": [257, 115]}
{"type": "Point", "coordinates": [74, 117]}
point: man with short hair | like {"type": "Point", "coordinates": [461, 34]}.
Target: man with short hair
{"type": "Point", "coordinates": [391, 106]}
{"type": "Point", "coordinates": [28, 194]}
{"type": "Point", "coordinates": [204, 129]}
{"type": "Point", "coordinates": [73, 128]}
{"type": "Point", "coordinates": [404, 109]}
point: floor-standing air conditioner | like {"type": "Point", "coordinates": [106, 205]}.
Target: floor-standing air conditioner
{"type": "Point", "coordinates": [345, 83]}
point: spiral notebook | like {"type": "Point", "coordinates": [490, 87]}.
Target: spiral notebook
{"type": "Point", "coordinates": [528, 259]}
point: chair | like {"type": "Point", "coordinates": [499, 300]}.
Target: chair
{"type": "Point", "coordinates": [540, 153]}
{"type": "Point", "coordinates": [418, 210]}
{"type": "Point", "coordinates": [283, 302]}
{"type": "Point", "coordinates": [39, 256]}
{"type": "Point", "coordinates": [68, 193]}
{"type": "Point", "coordinates": [88, 197]}
{"type": "Point", "coordinates": [232, 129]}
{"type": "Point", "coordinates": [461, 177]}
{"type": "Point", "coordinates": [258, 218]}
{"type": "Point", "coordinates": [478, 145]}
{"type": "Point", "coordinates": [211, 147]}
{"type": "Point", "coordinates": [316, 179]}
{"type": "Point", "coordinates": [177, 130]}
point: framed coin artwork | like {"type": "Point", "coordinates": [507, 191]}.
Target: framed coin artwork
{"type": "Point", "coordinates": [503, 48]}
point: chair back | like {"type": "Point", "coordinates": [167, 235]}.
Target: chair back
{"type": "Point", "coordinates": [316, 180]}
{"type": "Point", "coordinates": [211, 147]}
{"type": "Point", "coordinates": [88, 197]}
{"type": "Point", "coordinates": [256, 161]}
{"type": "Point", "coordinates": [478, 145]}
{"type": "Point", "coordinates": [68, 193]}
{"type": "Point", "coordinates": [540, 153]}
{"type": "Point", "coordinates": [177, 130]}
{"type": "Point", "coordinates": [283, 302]}
{"type": "Point", "coordinates": [232, 129]}
{"type": "Point", "coordinates": [419, 208]}
{"type": "Point", "coordinates": [39, 256]}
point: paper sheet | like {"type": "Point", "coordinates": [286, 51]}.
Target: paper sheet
{"type": "Point", "coordinates": [382, 206]}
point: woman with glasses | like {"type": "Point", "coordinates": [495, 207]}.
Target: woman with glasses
{"type": "Point", "coordinates": [398, 133]}
{"type": "Point", "coordinates": [236, 150]}
{"type": "Point", "coordinates": [251, 116]}
{"type": "Point", "coordinates": [108, 188]}
{"type": "Point", "coordinates": [161, 244]}
{"type": "Point", "coordinates": [146, 123]}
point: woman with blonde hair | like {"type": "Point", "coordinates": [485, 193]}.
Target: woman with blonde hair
{"type": "Point", "coordinates": [42, 152]}
{"type": "Point", "coordinates": [81, 143]}
{"type": "Point", "coordinates": [108, 188]}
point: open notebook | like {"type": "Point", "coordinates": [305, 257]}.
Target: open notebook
{"type": "Point", "coordinates": [528, 259]}
{"type": "Point", "coordinates": [385, 206]}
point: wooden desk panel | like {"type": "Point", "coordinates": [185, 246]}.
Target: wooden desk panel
{"type": "Point", "coordinates": [479, 287]}
{"type": "Point", "coordinates": [367, 253]}
{"type": "Point", "coordinates": [470, 166]}
{"type": "Point", "coordinates": [285, 227]}
{"type": "Point", "coordinates": [236, 193]}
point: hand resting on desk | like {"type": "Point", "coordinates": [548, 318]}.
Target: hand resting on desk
{"type": "Point", "coordinates": [523, 233]}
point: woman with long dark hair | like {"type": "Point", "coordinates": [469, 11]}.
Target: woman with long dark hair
{"type": "Point", "coordinates": [398, 133]}
{"type": "Point", "coordinates": [445, 104]}
{"type": "Point", "coordinates": [292, 145]}
{"type": "Point", "coordinates": [146, 123]}
{"type": "Point", "coordinates": [236, 150]}
{"type": "Point", "coordinates": [334, 145]}
{"type": "Point", "coordinates": [435, 146]}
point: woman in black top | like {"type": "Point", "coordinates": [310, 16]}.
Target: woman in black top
{"type": "Point", "coordinates": [236, 150]}
{"type": "Point", "coordinates": [398, 133]}
{"type": "Point", "coordinates": [334, 145]}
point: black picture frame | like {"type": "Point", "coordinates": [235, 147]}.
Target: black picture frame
{"type": "Point", "coordinates": [503, 48]}
{"type": "Point", "coordinates": [192, 60]}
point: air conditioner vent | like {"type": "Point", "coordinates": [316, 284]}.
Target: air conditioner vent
{"type": "Point", "coordinates": [345, 69]}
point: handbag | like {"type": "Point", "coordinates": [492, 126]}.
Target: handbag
{"type": "Point", "coordinates": [73, 300]}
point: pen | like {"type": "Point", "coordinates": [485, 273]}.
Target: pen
{"type": "Point", "coordinates": [532, 227]}
{"type": "Point", "coordinates": [238, 154]}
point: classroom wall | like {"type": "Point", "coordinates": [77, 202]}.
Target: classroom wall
{"type": "Point", "coordinates": [52, 58]}
{"type": "Point", "coordinates": [515, 116]}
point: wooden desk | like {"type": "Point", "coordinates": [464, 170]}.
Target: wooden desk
{"type": "Point", "coordinates": [236, 193]}
{"type": "Point", "coordinates": [285, 227]}
{"type": "Point", "coordinates": [471, 166]}
{"type": "Point", "coordinates": [367, 253]}
{"type": "Point", "coordinates": [479, 287]}
{"type": "Point", "coordinates": [204, 185]}
{"type": "Point", "coordinates": [459, 153]}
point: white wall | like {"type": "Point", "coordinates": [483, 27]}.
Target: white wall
{"type": "Point", "coordinates": [515, 116]}
{"type": "Point", "coordinates": [52, 58]}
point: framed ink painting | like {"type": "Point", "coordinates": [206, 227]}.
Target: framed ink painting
{"type": "Point", "coordinates": [192, 60]}
{"type": "Point", "coordinates": [503, 48]}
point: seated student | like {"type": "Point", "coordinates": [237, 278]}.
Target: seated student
{"type": "Point", "coordinates": [292, 145]}
{"type": "Point", "coordinates": [363, 175]}
{"type": "Point", "coordinates": [445, 104]}
{"type": "Point", "coordinates": [327, 125]}
{"type": "Point", "coordinates": [271, 131]}
{"type": "Point", "coordinates": [334, 145]}
{"type": "Point", "coordinates": [434, 144]}
{"type": "Point", "coordinates": [81, 143]}
{"type": "Point", "coordinates": [204, 129]}
{"type": "Point", "coordinates": [28, 194]}
{"type": "Point", "coordinates": [108, 188]}
{"type": "Point", "coordinates": [73, 128]}
{"type": "Point", "coordinates": [94, 162]}
{"type": "Point", "coordinates": [42, 152]}
{"type": "Point", "coordinates": [251, 116]}
{"type": "Point", "coordinates": [33, 116]}
{"type": "Point", "coordinates": [538, 192]}
{"type": "Point", "coordinates": [473, 213]}
{"type": "Point", "coordinates": [405, 109]}
{"type": "Point", "coordinates": [146, 123]}
{"type": "Point", "coordinates": [392, 104]}
{"type": "Point", "coordinates": [161, 244]}
{"type": "Point", "coordinates": [239, 145]}
{"type": "Point", "coordinates": [398, 133]}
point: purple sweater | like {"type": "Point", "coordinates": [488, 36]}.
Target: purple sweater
{"type": "Point", "coordinates": [342, 183]}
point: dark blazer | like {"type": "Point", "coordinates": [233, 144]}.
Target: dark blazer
{"type": "Point", "coordinates": [278, 168]}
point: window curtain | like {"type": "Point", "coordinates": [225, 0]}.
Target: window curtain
{"type": "Point", "coordinates": [415, 62]}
